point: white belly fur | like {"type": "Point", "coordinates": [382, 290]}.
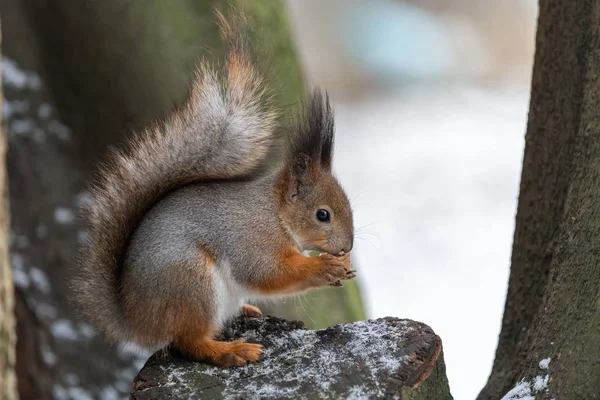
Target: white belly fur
{"type": "Point", "coordinates": [230, 295]}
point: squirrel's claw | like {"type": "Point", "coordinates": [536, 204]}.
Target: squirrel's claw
{"type": "Point", "coordinates": [350, 274]}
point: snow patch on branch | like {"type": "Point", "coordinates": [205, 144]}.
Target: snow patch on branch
{"type": "Point", "coordinates": [544, 363]}
{"type": "Point", "coordinates": [526, 390]}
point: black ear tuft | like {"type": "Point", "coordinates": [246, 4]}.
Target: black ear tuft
{"type": "Point", "coordinates": [327, 128]}
{"type": "Point", "coordinates": [316, 132]}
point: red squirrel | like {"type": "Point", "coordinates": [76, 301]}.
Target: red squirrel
{"type": "Point", "coordinates": [213, 206]}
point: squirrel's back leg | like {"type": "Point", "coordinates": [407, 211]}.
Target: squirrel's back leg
{"type": "Point", "coordinates": [195, 341]}
{"type": "Point", "coordinates": [177, 304]}
{"type": "Point", "coordinates": [194, 330]}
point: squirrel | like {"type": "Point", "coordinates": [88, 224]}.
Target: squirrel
{"type": "Point", "coordinates": [213, 206]}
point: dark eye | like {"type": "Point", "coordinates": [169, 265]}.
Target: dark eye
{"type": "Point", "coordinates": [323, 215]}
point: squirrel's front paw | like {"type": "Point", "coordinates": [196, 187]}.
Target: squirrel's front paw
{"type": "Point", "coordinates": [336, 269]}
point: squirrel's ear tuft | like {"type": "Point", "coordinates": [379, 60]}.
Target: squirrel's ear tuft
{"type": "Point", "coordinates": [311, 146]}
{"type": "Point", "coordinates": [327, 131]}
{"type": "Point", "coordinates": [315, 134]}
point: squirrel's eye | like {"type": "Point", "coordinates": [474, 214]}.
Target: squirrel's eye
{"type": "Point", "coordinates": [323, 215]}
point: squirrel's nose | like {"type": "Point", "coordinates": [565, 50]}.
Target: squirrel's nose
{"type": "Point", "coordinates": [346, 249]}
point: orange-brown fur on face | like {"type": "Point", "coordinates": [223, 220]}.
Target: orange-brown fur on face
{"type": "Point", "coordinates": [299, 215]}
{"type": "Point", "coordinates": [306, 185]}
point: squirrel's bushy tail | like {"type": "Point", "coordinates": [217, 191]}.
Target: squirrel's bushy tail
{"type": "Point", "coordinates": [223, 130]}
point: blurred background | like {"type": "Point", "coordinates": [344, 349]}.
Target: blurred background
{"type": "Point", "coordinates": [431, 101]}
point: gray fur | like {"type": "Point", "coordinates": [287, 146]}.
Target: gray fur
{"type": "Point", "coordinates": [235, 222]}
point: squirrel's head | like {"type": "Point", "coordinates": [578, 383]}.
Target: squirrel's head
{"type": "Point", "coordinates": [313, 206]}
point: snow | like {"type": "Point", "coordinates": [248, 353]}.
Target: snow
{"type": "Point", "coordinates": [21, 121]}
{"type": "Point", "coordinates": [48, 356]}
{"type": "Point", "coordinates": [14, 107]}
{"type": "Point", "coordinates": [545, 363]}
{"type": "Point", "coordinates": [64, 216]}
{"type": "Point", "coordinates": [59, 392]}
{"type": "Point", "coordinates": [520, 392]}
{"type": "Point", "coordinates": [13, 76]}
{"type": "Point", "coordinates": [285, 359]}
{"type": "Point", "coordinates": [19, 274]}
{"type": "Point", "coordinates": [21, 126]}
{"type": "Point", "coordinates": [433, 176]}
{"type": "Point", "coordinates": [20, 278]}
{"type": "Point", "coordinates": [87, 330]}
{"type": "Point", "coordinates": [526, 390]}
{"type": "Point", "coordinates": [540, 383]}
{"type": "Point", "coordinates": [109, 393]}
{"type": "Point", "coordinates": [64, 329]}
{"type": "Point", "coordinates": [79, 393]}
{"type": "Point", "coordinates": [39, 280]}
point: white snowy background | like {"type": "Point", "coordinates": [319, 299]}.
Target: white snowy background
{"type": "Point", "coordinates": [437, 198]}
{"type": "Point", "coordinates": [431, 158]}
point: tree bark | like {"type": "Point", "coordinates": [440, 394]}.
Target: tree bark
{"type": "Point", "coordinates": [8, 338]}
{"type": "Point", "coordinates": [552, 309]}
{"type": "Point", "coordinates": [82, 74]}
{"type": "Point", "coordinates": [387, 358]}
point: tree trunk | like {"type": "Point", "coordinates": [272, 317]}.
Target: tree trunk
{"type": "Point", "coordinates": [8, 338]}
{"type": "Point", "coordinates": [79, 75]}
{"type": "Point", "coordinates": [552, 312]}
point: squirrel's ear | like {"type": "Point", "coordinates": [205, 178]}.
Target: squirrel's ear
{"type": "Point", "coordinates": [327, 128]}
{"type": "Point", "coordinates": [303, 173]}
{"type": "Point", "coordinates": [321, 129]}
{"type": "Point", "coordinates": [327, 149]}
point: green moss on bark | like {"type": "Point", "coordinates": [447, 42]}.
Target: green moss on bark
{"type": "Point", "coordinates": [436, 387]}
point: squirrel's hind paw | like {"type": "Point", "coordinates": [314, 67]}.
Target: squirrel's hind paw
{"type": "Point", "coordinates": [222, 354]}
{"type": "Point", "coordinates": [240, 353]}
